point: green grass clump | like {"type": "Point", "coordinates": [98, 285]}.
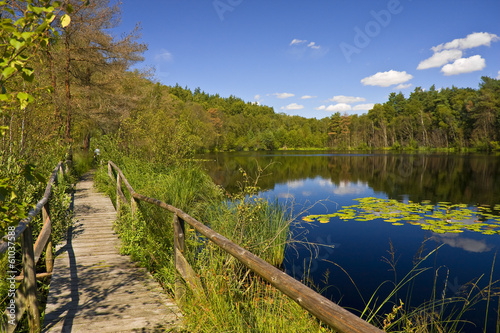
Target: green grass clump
{"type": "Point", "coordinates": [82, 162]}
{"type": "Point", "coordinates": [234, 299]}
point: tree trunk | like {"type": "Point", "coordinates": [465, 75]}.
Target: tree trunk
{"type": "Point", "coordinates": [68, 91]}
{"type": "Point", "coordinates": [424, 132]}
{"type": "Point", "coordinates": [86, 143]}
{"type": "Point", "coordinates": [57, 112]}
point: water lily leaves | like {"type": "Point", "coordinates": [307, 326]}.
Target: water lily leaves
{"type": "Point", "coordinates": [324, 219]}
{"type": "Point", "coordinates": [443, 217]}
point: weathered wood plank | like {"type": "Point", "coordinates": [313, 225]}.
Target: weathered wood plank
{"type": "Point", "coordinates": [93, 287]}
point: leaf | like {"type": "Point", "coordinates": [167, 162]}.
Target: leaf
{"type": "Point", "coordinates": [36, 10]}
{"type": "Point", "coordinates": [65, 20]}
{"type": "Point", "coordinates": [25, 99]}
{"type": "Point", "coordinates": [50, 18]}
{"type": "Point", "coordinates": [324, 220]}
{"type": "Point", "coordinates": [17, 44]}
{"type": "Point", "coordinates": [25, 35]}
{"type": "Point", "coordinates": [7, 72]}
{"type": "Point", "coordinates": [22, 96]}
{"type": "Point", "coordinates": [69, 8]}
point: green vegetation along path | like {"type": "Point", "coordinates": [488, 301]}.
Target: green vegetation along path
{"type": "Point", "coordinates": [94, 288]}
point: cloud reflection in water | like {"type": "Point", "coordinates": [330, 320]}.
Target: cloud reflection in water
{"type": "Point", "coordinates": [467, 244]}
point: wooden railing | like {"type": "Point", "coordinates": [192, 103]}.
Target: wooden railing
{"type": "Point", "coordinates": [26, 295]}
{"type": "Point", "coordinates": [330, 313]}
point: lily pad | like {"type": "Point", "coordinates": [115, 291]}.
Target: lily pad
{"type": "Point", "coordinates": [443, 217]}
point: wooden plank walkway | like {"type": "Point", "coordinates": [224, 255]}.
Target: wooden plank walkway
{"type": "Point", "coordinates": [93, 287]}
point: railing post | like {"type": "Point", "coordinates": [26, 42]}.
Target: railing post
{"type": "Point", "coordinates": [133, 206]}
{"type": "Point", "coordinates": [118, 192]}
{"type": "Point", "coordinates": [49, 256]}
{"type": "Point", "coordinates": [179, 246]}
{"type": "Point", "coordinates": [30, 280]}
{"type": "Point", "coordinates": [61, 170]}
{"type": "Point", "coordinates": [110, 171]}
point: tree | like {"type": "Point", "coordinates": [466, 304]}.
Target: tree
{"type": "Point", "coordinates": [335, 129]}
{"type": "Point", "coordinates": [486, 111]}
{"type": "Point", "coordinates": [95, 64]}
{"type": "Point", "coordinates": [25, 31]}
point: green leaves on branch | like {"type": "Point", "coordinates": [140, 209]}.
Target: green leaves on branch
{"type": "Point", "coordinates": [444, 217]}
{"type": "Point", "coordinates": [23, 32]}
{"type": "Point", "coordinates": [21, 36]}
{"type": "Point", "coordinates": [12, 206]}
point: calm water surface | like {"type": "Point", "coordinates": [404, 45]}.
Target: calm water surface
{"type": "Point", "coordinates": [324, 182]}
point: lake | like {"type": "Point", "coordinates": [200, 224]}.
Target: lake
{"type": "Point", "coordinates": [346, 260]}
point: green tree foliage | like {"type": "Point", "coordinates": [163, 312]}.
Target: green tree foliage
{"type": "Point", "coordinates": [25, 31]}
{"type": "Point", "coordinates": [448, 118]}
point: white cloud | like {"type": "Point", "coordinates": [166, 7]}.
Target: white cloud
{"type": "Point", "coordinates": [347, 99]}
{"type": "Point", "coordinates": [283, 95]}
{"type": "Point", "coordinates": [296, 41]}
{"type": "Point", "coordinates": [257, 97]}
{"type": "Point", "coordinates": [472, 40]}
{"type": "Point", "coordinates": [164, 55]}
{"type": "Point", "coordinates": [439, 59]}
{"type": "Point", "coordinates": [285, 195]}
{"type": "Point", "coordinates": [386, 79]}
{"type": "Point", "coordinates": [308, 97]}
{"type": "Point", "coordinates": [343, 190]}
{"type": "Point", "coordinates": [294, 106]}
{"type": "Point", "coordinates": [340, 107]}
{"type": "Point", "coordinates": [498, 76]}
{"type": "Point", "coordinates": [402, 86]}
{"type": "Point", "coordinates": [363, 107]}
{"type": "Point", "coordinates": [313, 45]}
{"type": "Point", "coordinates": [324, 182]}
{"type": "Point", "coordinates": [295, 183]}
{"type": "Point", "coordinates": [322, 107]}
{"type": "Point", "coordinates": [464, 65]}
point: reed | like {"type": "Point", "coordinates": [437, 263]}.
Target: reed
{"type": "Point", "coordinates": [234, 298]}
{"type": "Point", "coordinates": [440, 312]}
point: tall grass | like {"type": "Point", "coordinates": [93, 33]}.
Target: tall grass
{"type": "Point", "coordinates": [82, 162]}
{"type": "Point", "coordinates": [235, 299]}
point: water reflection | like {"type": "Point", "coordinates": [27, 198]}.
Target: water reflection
{"type": "Point", "coordinates": [464, 243]}
{"type": "Point", "coordinates": [467, 179]}
{"type": "Point", "coordinates": [357, 248]}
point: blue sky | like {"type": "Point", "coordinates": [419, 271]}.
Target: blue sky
{"type": "Point", "coordinates": [313, 58]}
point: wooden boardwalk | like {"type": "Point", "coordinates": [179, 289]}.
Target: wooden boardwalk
{"type": "Point", "coordinates": [94, 288]}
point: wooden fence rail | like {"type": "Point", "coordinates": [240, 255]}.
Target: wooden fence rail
{"type": "Point", "coordinates": [26, 296]}
{"type": "Point", "coordinates": [330, 313]}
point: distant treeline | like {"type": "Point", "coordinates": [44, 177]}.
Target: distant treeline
{"type": "Point", "coordinates": [447, 118]}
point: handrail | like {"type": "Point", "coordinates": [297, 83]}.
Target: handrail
{"type": "Point", "coordinates": [26, 296]}
{"type": "Point", "coordinates": [327, 311]}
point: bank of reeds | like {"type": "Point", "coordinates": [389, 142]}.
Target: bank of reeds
{"type": "Point", "coordinates": [234, 299]}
